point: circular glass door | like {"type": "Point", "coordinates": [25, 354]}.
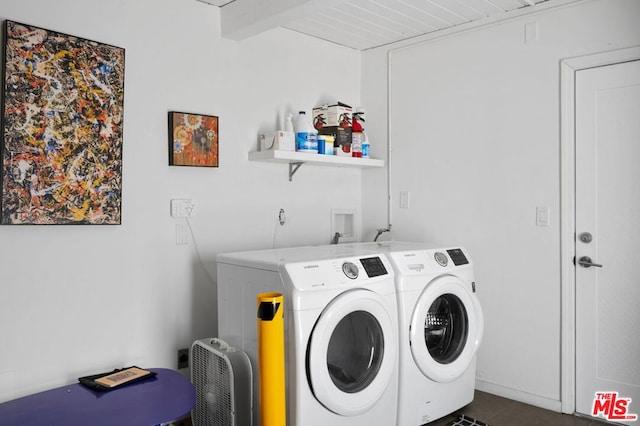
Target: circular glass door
{"type": "Point", "coordinates": [351, 353]}
{"type": "Point", "coordinates": [355, 352]}
{"type": "Point", "coordinates": [446, 329]}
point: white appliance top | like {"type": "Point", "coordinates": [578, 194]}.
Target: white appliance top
{"type": "Point", "coordinates": [273, 259]}
{"type": "Point", "coordinates": [320, 268]}
{"type": "Point", "coordinates": [393, 246]}
{"type": "Point", "coordinates": [409, 258]}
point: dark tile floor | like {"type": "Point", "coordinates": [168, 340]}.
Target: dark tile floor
{"type": "Point", "coordinates": [494, 410]}
{"type": "Point", "coordinates": [497, 411]}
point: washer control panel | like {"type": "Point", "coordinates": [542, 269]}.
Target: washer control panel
{"type": "Point", "coordinates": [441, 258]}
{"type": "Point", "coordinates": [430, 260]}
{"type": "Point", "coordinates": [458, 257]}
{"type": "Point", "coordinates": [350, 269]}
{"type": "Point", "coordinates": [340, 272]}
{"type": "Point", "coordinates": [373, 266]}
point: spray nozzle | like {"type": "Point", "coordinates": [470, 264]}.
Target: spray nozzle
{"type": "Point", "coordinates": [359, 115]}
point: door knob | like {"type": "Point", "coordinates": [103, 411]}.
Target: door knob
{"type": "Point", "coordinates": [585, 261]}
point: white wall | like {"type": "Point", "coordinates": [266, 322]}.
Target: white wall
{"type": "Point", "coordinates": [474, 132]}
{"type": "Point", "coordinates": [75, 300]}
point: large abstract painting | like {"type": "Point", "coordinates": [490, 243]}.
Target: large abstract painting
{"type": "Point", "coordinates": [62, 128]}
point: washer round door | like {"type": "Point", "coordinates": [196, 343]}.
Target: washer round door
{"type": "Point", "coordinates": [351, 352]}
{"type": "Point", "coordinates": [446, 329]}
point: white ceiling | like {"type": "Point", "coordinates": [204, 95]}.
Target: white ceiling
{"type": "Point", "coordinates": [362, 24]}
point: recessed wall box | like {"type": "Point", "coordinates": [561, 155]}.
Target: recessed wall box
{"type": "Point", "coordinates": [343, 222]}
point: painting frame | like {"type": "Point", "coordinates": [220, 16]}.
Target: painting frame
{"type": "Point", "coordinates": [193, 139]}
{"type": "Point", "coordinates": [62, 128]}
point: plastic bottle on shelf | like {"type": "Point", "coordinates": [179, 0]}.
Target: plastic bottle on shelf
{"type": "Point", "coordinates": [365, 145]}
{"type": "Point", "coordinates": [306, 134]}
{"type": "Point", "coordinates": [356, 134]}
{"type": "Point", "coordinates": [288, 123]}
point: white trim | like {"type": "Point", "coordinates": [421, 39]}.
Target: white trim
{"type": "Point", "coordinates": [389, 145]}
{"type": "Point", "coordinates": [567, 231]}
{"type": "Point", "coordinates": [568, 69]}
{"type": "Point", "coordinates": [518, 395]}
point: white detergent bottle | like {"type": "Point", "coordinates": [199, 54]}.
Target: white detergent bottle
{"type": "Point", "coordinates": [306, 134]}
{"type": "Point", "coordinates": [288, 123]}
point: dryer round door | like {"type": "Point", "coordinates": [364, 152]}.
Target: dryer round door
{"type": "Point", "coordinates": [446, 329]}
{"type": "Point", "coordinates": [351, 352]}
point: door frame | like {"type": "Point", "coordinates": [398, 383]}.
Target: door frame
{"type": "Point", "coordinates": [568, 69]}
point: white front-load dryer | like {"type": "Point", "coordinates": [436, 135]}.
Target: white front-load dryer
{"type": "Point", "coordinates": [440, 329]}
{"type": "Point", "coordinates": [340, 329]}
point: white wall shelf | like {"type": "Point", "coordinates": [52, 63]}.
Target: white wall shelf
{"type": "Point", "coordinates": [295, 159]}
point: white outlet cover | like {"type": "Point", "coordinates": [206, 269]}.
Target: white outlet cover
{"type": "Point", "coordinates": [182, 208]}
{"type": "Point", "coordinates": [543, 216]}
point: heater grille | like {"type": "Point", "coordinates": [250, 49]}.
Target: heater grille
{"type": "Point", "coordinates": [222, 377]}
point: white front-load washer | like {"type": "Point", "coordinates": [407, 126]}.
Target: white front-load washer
{"type": "Point", "coordinates": [340, 329]}
{"type": "Point", "coordinates": [440, 329]}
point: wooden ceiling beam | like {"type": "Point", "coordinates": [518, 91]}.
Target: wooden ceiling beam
{"type": "Point", "coordinates": [245, 18]}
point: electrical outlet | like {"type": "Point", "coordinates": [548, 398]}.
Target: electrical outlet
{"type": "Point", "coordinates": [404, 199]}
{"type": "Point", "coordinates": [183, 208]}
{"type": "Point", "coordinates": [183, 358]}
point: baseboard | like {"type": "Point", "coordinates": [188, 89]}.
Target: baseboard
{"type": "Point", "coordinates": [520, 396]}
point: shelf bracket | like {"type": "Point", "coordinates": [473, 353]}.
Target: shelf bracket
{"type": "Point", "coordinates": [293, 168]}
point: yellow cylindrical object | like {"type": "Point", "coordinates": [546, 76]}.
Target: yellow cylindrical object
{"type": "Point", "coordinates": [271, 364]}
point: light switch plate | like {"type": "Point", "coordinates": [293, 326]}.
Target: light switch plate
{"type": "Point", "coordinates": [542, 216]}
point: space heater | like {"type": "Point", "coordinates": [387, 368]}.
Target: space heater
{"type": "Point", "coordinates": [221, 375]}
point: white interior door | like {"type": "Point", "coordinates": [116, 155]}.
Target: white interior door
{"type": "Point", "coordinates": [608, 234]}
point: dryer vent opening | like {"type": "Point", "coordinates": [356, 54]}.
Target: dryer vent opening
{"type": "Point", "coordinates": [446, 328]}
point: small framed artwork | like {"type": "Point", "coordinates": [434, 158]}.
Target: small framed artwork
{"type": "Point", "coordinates": [193, 139]}
{"type": "Point", "coordinates": [62, 129]}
